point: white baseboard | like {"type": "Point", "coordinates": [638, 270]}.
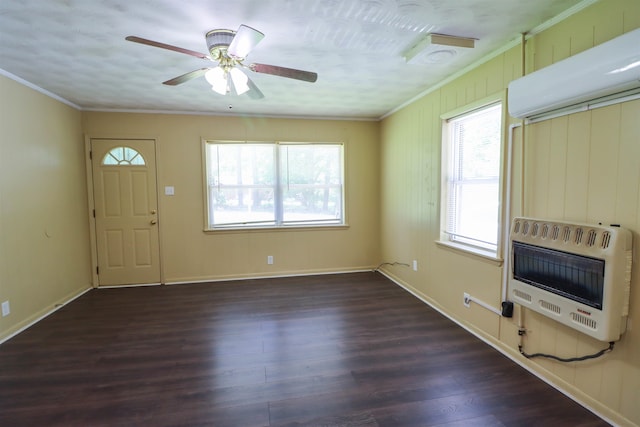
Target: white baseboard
{"type": "Point", "coordinates": [32, 320]}
{"type": "Point", "coordinates": [186, 281]}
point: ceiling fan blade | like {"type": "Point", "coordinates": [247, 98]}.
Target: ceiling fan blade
{"type": "Point", "coordinates": [254, 92]}
{"type": "Point", "coordinates": [291, 73]}
{"type": "Point", "coordinates": [186, 77]}
{"type": "Point", "coordinates": [167, 46]}
{"type": "Point", "coordinates": [244, 41]}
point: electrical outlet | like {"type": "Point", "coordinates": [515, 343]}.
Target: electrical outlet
{"type": "Point", "coordinates": [415, 265]}
{"type": "Point", "coordinates": [270, 259]}
{"type": "Point", "coordinates": [466, 300]}
{"type": "Point", "coordinates": [6, 309]}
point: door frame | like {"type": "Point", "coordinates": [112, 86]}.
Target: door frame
{"type": "Point", "coordinates": [93, 240]}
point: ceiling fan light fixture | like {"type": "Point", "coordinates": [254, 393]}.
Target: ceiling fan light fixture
{"type": "Point", "coordinates": [229, 48]}
{"type": "Point", "coordinates": [240, 81]}
{"type": "Point", "coordinates": [217, 78]}
{"type": "Point", "coordinates": [217, 39]}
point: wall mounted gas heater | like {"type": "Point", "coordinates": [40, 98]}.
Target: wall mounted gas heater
{"type": "Point", "coordinates": [577, 274]}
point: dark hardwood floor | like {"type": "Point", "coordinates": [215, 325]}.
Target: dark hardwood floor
{"type": "Point", "coordinates": [326, 351]}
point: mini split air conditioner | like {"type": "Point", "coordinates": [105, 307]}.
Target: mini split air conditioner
{"type": "Point", "coordinates": [610, 68]}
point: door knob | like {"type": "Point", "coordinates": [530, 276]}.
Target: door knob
{"type": "Point", "coordinates": [153, 221]}
{"type": "Point", "coordinates": [153, 211]}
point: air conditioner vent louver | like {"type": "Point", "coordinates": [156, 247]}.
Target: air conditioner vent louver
{"type": "Point", "coordinates": [606, 239]}
{"type": "Point", "coordinates": [566, 234]}
{"type": "Point", "coordinates": [555, 232]}
{"type": "Point", "coordinates": [579, 234]}
{"type": "Point", "coordinates": [591, 238]}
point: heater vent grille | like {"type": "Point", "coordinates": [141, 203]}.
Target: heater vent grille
{"type": "Point", "coordinates": [536, 228]}
{"type": "Point", "coordinates": [584, 321]}
{"type": "Point", "coordinates": [522, 295]}
{"type": "Point", "coordinates": [588, 237]}
{"type": "Point", "coordinates": [577, 274]}
{"type": "Point", "coordinates": [550, 307]}
{"type": "Point", "coordinates": [545, 231]}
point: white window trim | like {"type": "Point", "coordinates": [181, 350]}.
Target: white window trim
{"type": "Point", "coordinates": [443, 240]}
{"type": "Point", "coordinates": [282, 227]}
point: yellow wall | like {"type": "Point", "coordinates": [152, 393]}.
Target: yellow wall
{"type": "Point", "coordinates": [583, 167]}
{"type": "Point", "coordinates": [44, 239]}
{"type": "Point", "coordinates": [189, 254]}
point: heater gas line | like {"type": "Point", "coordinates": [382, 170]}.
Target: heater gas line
{"type": "Point", "coordinates": [508, 211]}
{"type": "Point", "coordinates": [468, 299]}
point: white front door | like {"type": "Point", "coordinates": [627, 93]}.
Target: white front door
{"type": "Point", "coordinates": [126, 206]}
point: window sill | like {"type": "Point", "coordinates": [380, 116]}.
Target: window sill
{"type": "Point", "coordinates": [275, 229]}
{"type": "Point", "coordinates": [483, 254]}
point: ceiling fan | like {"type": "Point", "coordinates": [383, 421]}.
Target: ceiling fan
{"type": "Point", "coordinates": [229, 49]}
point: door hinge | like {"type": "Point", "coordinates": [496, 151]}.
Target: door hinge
{"type": "Point", "coordinates": [94, 213]}
{"type": "Point", "coordinates": [91, 155]}
{"type": "Point", "coordinates": [98, 270]}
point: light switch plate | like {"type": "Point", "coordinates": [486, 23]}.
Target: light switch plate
{"type": "Point", "coordinates": [6, 308]}
{"type": "Point", "coordinates": [169, 190]}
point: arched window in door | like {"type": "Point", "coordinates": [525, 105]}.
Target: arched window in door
{"type": "Point", "coordinates": [123, 156]}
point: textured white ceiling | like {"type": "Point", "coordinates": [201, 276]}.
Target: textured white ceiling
{"type": "Point", "coordinates": [76, 49]}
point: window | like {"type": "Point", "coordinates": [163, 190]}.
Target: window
{"type": "Point", "coordinates": [471, 179]}
{"type": "Point", "coordinates": [273, 184]}
{"type": "Point", "coordinates": [123, 156]}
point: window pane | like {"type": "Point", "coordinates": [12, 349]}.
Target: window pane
{"type": "Point", "coordinates": [123, 156]}
{"type": "Point", "coordinates": [311, 183]}
{"type": "Point", "coordinates": [271, 184]}
{"type": "Point", "coordinates": [473, 195]}
{"type": "Point", "coordinates": [241, 183]}
{"type": "Point", "coordinates": [478, 144]}
{"type": "Point", "coordinates": [477, 213]}
{"type": "Point", "coordinates": [241, 206]}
